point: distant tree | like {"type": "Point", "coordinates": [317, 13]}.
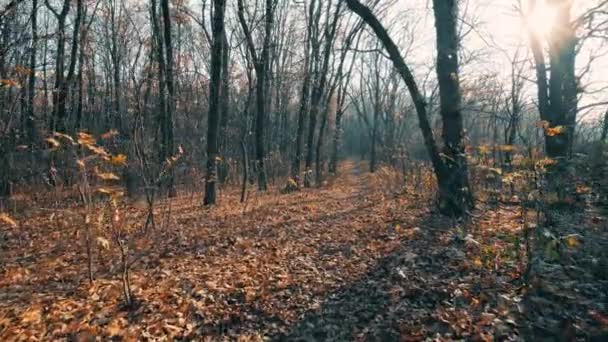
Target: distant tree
{"type": "Point", "coordinates": [261, 66]}
{"type": "Point", "coordinates": [59, 95]}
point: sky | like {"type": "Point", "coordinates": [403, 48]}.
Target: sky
{"type": "Point", "coordinates": [500, 29]}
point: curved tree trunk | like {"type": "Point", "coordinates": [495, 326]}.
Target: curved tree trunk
{"type": "Point", "coordinates": [454, 200]}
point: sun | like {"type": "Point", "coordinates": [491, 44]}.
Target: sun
{"type": "Point", "coordinates": [539, 17]}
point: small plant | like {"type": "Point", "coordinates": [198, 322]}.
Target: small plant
{"type": "Point", "coordinates": [97, 182]}
{"type": "Point", "coordinates": [153, 177]}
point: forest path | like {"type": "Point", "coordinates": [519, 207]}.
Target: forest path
{"type": "Point", "coordinates": [350, 260]}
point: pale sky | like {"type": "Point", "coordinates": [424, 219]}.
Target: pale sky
{"type": "Point", "coordinates": [499, 26]}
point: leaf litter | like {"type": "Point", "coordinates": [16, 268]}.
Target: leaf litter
{"type": "Point", "coordinates": [348, 261]}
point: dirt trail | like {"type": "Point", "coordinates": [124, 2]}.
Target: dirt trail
{"type": "Point", "coordinates": [348, 261]}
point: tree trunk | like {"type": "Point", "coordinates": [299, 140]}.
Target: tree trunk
{"type": "Point", "coordinates": [604, 134]}
{"type": "Point", "coordinates": [319, 148]}
{"type": "Point", "coordinates": [31, 115]}
{"type": "Point", "coordinates": [224, 110]}
{"type": "Point", "coordinates": [261, 68]}
{"type": "Point", "coordinates": [169, 79]}
{"type": "Point", "coordinates": [60, 88]}
{"type": "Point", "coordinates": [163, 137]}
{"type": "Point", "coordinates": [333, 161]}
{"type": "Point", "coordinates": [81, 61]}
{"type": "Point", "coordinates": [214, 101]}
{"type": "Point", "coordinates": [557, 96]}
{"type": "Point", "coordinates": [377, 105]}
{"type": "Point", "coordinates": [295, 168]}
{"type": "Point", "coordinates": [440, 168]}
{"type": "Point", "coordinates": [454, 192]}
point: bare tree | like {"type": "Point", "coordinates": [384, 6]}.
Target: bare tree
{"type": "Point", "coordinates": [217, 60]}
{"type": "Point", "coordinates": [261, 67]}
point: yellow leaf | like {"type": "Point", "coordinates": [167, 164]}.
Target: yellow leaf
{"type": "Point", "coordinates": [105, 191]}
{"type": "Point", "coordinates": [108, 176]}
{"type": "Point", "coordinates": [118, 160]}
{"type": "Point", "coordinates": [32, 315]}
{"type": "Point", "coordinates": [80, 163]}
{"type": "Point", "coordinates": [8, 220]}
{"type": "Point", "coordinates": [103, 242]}
{"type": "Point", "coordinates": [497, 171]}
{"type": "Point", "coordinates": [53, 142]}
{"type": "Point", "coordinates": [506, 148]}
{"type": "Point", "coordinates": [112, 192]}
{"type": "Point", "coordinates": [546, 162]}
{"type": "Point", "coordinates": [484, 149]}
{"type": "Point", "coordinates": [95, 149]}
{"type": "Point", "coordinates": [572, 240]}
{"type": "Point", "coordinates": [553, 131]}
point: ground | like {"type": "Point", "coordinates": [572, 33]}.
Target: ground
{"type": "Point", "coordinates": [355, 259]}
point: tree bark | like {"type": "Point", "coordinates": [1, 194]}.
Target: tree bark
{"type": "Point", "coordinates": [31, 115]}
{"type": "Point", "coordinates": [214, 102]}
{"type": "Point", "coordinates": [169, 79]}
{"type": "Point", "coordinates": [455, 194]}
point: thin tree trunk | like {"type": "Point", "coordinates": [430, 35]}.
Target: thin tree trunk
{"type": "Point", "coordinates": [245, 169]}
{"type": "Point", "coordinates": [304, 98]}
{"type": "Point", "coordinates": [169, 79]}
{"type": "Point", "coordinates": [162, 118]}
{"type": "Point", "coordinates": [319, 89]}
{"type": "Point", "coordinates": [60, 89]}
{"type": "Point", "coordinates": [31, 115]}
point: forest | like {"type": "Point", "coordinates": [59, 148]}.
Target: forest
{"type": "Point", "coordinates": [304, 170]}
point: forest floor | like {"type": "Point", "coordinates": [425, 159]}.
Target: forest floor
{"type": "Point", "coordinates": [352, 260]}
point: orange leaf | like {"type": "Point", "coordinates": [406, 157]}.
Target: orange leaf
{"type": "Point", "coordinates": [85, 139]}
{"type": "Point", "coordinates": [109, 134]}
{"type": "Point", "coordinates": [553, 131]}
{"type": "Point", "coordinates": [118, 160]}
{"type": "Point", "coordinates": [8, 220]}
{"type": "Point", "coordinates": [32, 315]}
